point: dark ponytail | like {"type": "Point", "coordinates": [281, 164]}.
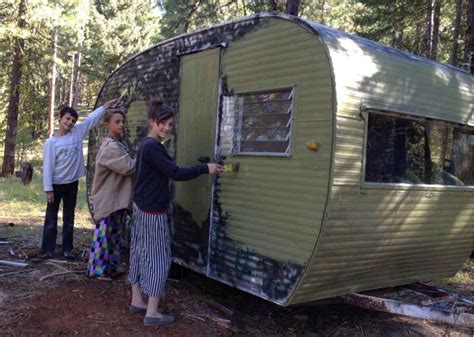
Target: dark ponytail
{"type": "Point", "coordinates": [158, 111]}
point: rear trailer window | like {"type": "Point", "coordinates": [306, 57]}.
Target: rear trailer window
{"type": "Point", "coordinates": [409, 151]}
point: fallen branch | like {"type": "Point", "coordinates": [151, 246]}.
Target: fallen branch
{"type": "Point", "coordinates": [57, 261]}
{"type": "Point", "coordinates": [51, 263]}
{"type": "Point", "coordinates": [66, 262]}
{"type": "Point", "coordinates": [14, 263]}
{"type": "Point", "coordinates": [25, 297]}
{"type": "Point", "coordinates": [28, 247]}
{"type": "Point", "coordinates": [6, 242]}
{"type": "Point", "coordinates": [62, 273]}
{"type": "Point", "coordinates": [16, 272]}
{"type": "Point", "coordinates": [223, 324]}
{"type": "Point", "coordinates": [196, 317]}
{"type": "Point", "coordinates": [222, 308]}
{"type": "Point", "coordinates": [221, 320]}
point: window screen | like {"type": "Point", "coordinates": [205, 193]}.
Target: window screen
{"type": "Point", "coordinates": [257, 123]}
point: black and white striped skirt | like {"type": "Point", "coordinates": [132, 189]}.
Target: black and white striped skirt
{"type": "Point", "coordinates": [150, 252]}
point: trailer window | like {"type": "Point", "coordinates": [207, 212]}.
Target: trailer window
{"type": "Point", "coordinates": [418, 152]}
{"type": "Point", "coordinates": [257, 123]}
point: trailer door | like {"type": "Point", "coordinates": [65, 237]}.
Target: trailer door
{"type": "Point", "coordinates": [196, 132]}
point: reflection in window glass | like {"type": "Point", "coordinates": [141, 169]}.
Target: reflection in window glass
{"type": "Point", "coordinates": [228, 124]}
{"type": "Point", "coordinates": [257, 123]}
{"type": "Point", "coordinates": [413, 152]}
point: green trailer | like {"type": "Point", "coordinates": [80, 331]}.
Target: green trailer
{"type": "Point", "coordinates": [350, 163]}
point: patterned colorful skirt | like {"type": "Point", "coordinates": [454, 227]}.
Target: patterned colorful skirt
{"type": "Point", "coordinates": [107, 244]}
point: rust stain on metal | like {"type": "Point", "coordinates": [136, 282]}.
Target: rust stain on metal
{"type": "Point", "coordinates": [367, 302]}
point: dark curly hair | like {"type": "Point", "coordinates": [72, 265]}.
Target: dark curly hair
{"type": "Point", "coordinates": [69, 110]}
{"type": "Point", "coordinates": [158, 111]}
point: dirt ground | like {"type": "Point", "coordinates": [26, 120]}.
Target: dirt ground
{"type": "Point", "coordinates": [32, 304]}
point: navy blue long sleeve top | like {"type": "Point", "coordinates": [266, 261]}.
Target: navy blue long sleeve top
{"type": "Point", "coordinates": [153, 170]}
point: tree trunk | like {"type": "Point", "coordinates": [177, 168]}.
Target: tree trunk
{"type": "Point", "coordinates": [444, 149]}
{"type": "Point", "coordinates": [400, 149]}
{"type": "Point", "coordinates": [276, 5]}
{"type": "Point", "coordinates": [8, 166]}
{"type": "Point", "coordinates": [61, 89]}
{"type": "Point", "coordinates": [64, 96]}
{"type": "Point", "coordinates": [469, 46]}
{"type": "Point", "coordinates": [457, 28]}
{"type": "Point", "coordinates": [397, 40]}
{"type": "Point", "coordinates": [427, 28]}
{"type": "Point", "coordinates": [435, 29]}
{"type": "Point", "coordinates": [193, 8]}
{"type": "Point", "coordinates": [71, 84]}
{"type": "Point", "coordinates": [428, 164]}
{"type": "Point", "coordinates": [292, 7]}
{"type": "Point", "coordinates": [77, 81]}
{"type": "Point", "coordinates": [419, 40]}
{"type": "Point", "coordinates": [52, 81]}
{"type": "Point", "coordinates": [323, 3]}
{"type": "Point", "coordinates": [462, 157]}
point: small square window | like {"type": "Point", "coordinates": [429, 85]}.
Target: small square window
{"type": "Point", "coordinates": [257, 123]}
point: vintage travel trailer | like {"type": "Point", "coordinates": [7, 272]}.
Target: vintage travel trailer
{"type": "Point", "coordinates": [350, 163]}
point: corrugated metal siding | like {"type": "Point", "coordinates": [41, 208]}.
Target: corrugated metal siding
{"type": "Point", "coordinates": [402, 82]}
{"type": "Point", "coordinates": [274, 206]}
{"type": "Point", "coordinates": [378, 238]}
{"type": "Point", "coordinates": [374, 238]}
{"type": "Point", "coordinates": [349, 148]}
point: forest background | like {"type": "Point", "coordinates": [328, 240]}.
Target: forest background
{"type": "Point", "coordinates": [57, 53]}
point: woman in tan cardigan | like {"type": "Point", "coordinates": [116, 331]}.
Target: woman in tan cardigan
{"type": "Point", "coordinates": [111, 199]}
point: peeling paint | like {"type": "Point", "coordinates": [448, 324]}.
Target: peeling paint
{"type": "Point", "coordinates": [190, 240]}
{"type": "Point", "coordinates": [233, 263]}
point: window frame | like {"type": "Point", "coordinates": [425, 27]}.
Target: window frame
{"type": "Point", "coordinates": [404, 186]}
{"type": "Point", "coordinates": [236, 146]}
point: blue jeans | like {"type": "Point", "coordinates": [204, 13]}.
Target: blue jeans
{"type": "Point", "coordinates": [67, 193]}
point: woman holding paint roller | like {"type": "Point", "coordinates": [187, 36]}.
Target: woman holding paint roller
{"type": "Point", "coordinates": [150, 252]}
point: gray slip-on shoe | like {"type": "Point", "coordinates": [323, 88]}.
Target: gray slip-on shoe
{"type": "Point", "coordinates": [136, 310]}
{"type": "Point", "coordinates": [158, 321]}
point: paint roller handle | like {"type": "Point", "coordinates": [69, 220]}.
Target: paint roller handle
{"type": "Point", "coordinates": [204, 160]}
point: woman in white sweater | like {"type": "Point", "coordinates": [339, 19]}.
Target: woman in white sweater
{"type": "Point", "coordinates": [63, 165]}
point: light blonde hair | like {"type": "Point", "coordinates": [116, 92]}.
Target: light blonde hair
{"type": "Point", "coordinates": [110, 113]}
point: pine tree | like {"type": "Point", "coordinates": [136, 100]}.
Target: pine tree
{"type": "Point", "coordinates": [8, 166]}
{"type": "Point", "coordinates": [52, 81]}
{"type": "Point", "coordinates": [457, 29]}
{"type": "Point", "coordinates": [469, 44]}
{"type": "Point", "coordinates": [434, 39]}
